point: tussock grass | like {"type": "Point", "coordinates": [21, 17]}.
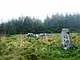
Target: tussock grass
{"type": "Point", "coordinates": [16, 47]}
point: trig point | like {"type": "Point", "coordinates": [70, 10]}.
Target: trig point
{"type": "Point", "coordinates": [66, 40]}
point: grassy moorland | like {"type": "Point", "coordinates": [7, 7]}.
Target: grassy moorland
{"type": "Point", "coordinates": [16, 47]}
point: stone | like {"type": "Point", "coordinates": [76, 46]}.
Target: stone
{"type": "Point", "coordinates": [29, 35]}
{"type": "Point", "coordinates": [45, 34]}
{"type": "Point", "coordinates": [37, 35]}
{"type": "Point", "coordinates": [66, 39]}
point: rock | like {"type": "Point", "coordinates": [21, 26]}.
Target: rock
{"type": "Point", "coordinates": [65, 37]}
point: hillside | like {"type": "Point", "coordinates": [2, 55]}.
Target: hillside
{"type": "Point", "coordinates": [16, 47]}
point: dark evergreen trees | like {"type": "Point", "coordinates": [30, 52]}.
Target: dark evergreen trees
{"type": "Point", "coordinates": [24, 25]}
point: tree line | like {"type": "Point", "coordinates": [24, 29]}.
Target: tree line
{"type": "Point", "coordinates": [53, 24]}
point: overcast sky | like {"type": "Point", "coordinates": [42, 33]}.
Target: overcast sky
{"type": "Point", "coordinates": [37, 8]}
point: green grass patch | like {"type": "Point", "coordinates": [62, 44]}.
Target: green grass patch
{"type": "Point", "coordinates": [16, 47]}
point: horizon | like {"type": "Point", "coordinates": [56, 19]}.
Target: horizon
{"type": "Point", "coordinates": [36, 17]}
